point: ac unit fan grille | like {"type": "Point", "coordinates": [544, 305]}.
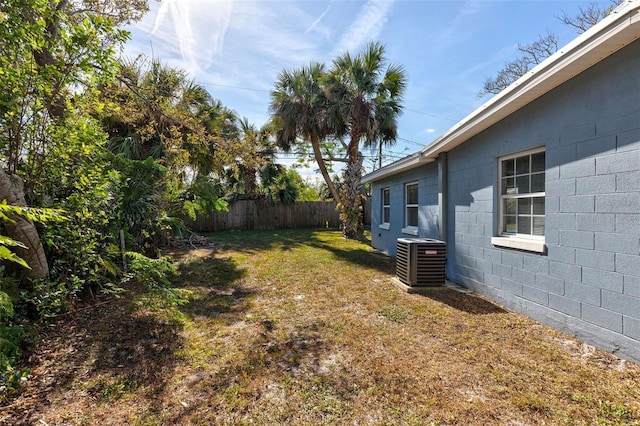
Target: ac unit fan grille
{"type": "Point", "coordinates": [421, 261]}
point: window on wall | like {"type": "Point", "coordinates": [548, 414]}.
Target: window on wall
{"type": "Point", "coordinates": [386, 205]}
{"type": "Point", "coordinates": [411, 205]}
{"type": "Point", "coordinates": [522, 195]}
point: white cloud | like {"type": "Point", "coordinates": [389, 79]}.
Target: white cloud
{"type": "Point", "coordinates": [461, 27]}
{"type": "Point", "coordinates": [197, 27]}
{"type": "Point", "coordinates": [272, 33]}
{"type": "Point", "coordinates": [366, 27]}
{"type": "Point", "coordinates": [315, 23]}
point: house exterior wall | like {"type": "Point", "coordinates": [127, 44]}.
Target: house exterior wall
{"type": "Point", "coordinates": [588, 281]}
{"type": "Point", "coordinates": [427, 179]}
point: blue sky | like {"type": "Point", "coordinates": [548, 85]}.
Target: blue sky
{"type": "Point", "coordinates": [236, 49]}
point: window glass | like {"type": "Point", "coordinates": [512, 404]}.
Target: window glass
{"type": "Point", "coordinates": [510, 224]}
{"type": "Point", "coordinates": [508, 186]}
{"type": "Point", "coordinates": [537, 182]}
{"type": "Point", "coordinates": [524, 225]}
{"type": "Point", "coordinates": [537, 162]}
{"type": "Point", "coordinates": [412, 216]}
{"type": "Point", "coordinates": [538, 226]}
{"type": "Point", "coordinates": [521, 177]}
{"type": "Point", "coordinates": [510, 205]}
{"type": "Point", "coordinates": [412, 194]}
{"type": "Point", "coordinates": [386, 205]}
{"type": "Point", "coordinates": [522, 184]}
{"type": "Point", "coordinates": [411, 204]}
{"type": "Point", "coordinates": [538, 205]}
{"type": "Point", "coordinates": [522, 165]}
{"type": "Point", "coordinates": [524, 206]}
{"type": "Point", "coordinates": [508, 167]}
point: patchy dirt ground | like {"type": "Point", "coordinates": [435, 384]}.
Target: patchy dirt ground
{"type": "Point", "coordinates": [302, 327]}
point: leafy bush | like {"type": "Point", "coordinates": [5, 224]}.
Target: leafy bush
{"type": "Point", "coordinates": [83, 251]}
{"type": "Point", "coordinates": [38, 215]}
{"type": "Point", "coordinates": [155, 275]}
{"type": "Point", "coordinates": [12, 334]}
{"type": "Point", "coordinates": [11, 338]}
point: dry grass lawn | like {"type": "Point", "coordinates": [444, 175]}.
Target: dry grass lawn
{"type": "Point", "coordinates": [305, 328]}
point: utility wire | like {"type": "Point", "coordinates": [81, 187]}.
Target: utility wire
{"type": "Point", "coordinates": [421, 145]}
{"type": "Point", "coordinates": [430, 115]}
{"type": "Point", "coordinates": [294, 156]}
{"type": "Point", "coordinates": [253, 89]}
{"type": "Point", "coordinates": [236, 87]}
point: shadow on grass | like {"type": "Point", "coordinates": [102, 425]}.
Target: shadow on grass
{"type": "Point", "coordinates": [466, 302]}
{"type": "Point", "coordinates": [354, 251]}
{"type": "Point", "coordinates": [207, 270]}
{"type": "Point", "coordinates": [249, 241]}
{"type": "Point", "coordinates": [295, 357]}
{"type": "Point", "coordinates": [215, 283]}
{"type": "Point", "coordinates": [361, 257]}
{"type": "Point", "coordinates": [109, 351]}
{"type": "Point", "coordinates": [117, 348]}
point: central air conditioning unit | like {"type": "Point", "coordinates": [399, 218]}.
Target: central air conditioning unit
{"type": "Point", "coordinates": [421, 261]}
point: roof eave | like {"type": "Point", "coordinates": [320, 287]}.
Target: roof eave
{"type": "Point", "coordinates": [405, 164]}
{"type": "Point", "coordinates": [617, 30]}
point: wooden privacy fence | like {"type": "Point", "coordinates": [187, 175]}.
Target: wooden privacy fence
{"type": "Point", "coordinates": [260, 215]}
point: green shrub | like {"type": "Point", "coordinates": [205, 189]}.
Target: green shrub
{"type": "Point", "coordinates": [11, 338]}
{"type": "Point", "coordinates": [155, 275]}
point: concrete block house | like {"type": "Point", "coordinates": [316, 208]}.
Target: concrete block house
{"type": "Point", "coordinates": [537, 192]}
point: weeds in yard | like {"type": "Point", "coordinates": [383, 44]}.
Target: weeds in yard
{"type": "Point", "coordinates": [394, 313]}
{"type": "Point", "coordinates": [303, 327]}
{"type": "Point", "coordinates": [110, 389]}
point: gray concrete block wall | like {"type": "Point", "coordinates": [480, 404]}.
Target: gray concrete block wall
{"type": "Point", "coordinates": [588, 282]}
{"type": "Point", "coordinates": [428, 187]}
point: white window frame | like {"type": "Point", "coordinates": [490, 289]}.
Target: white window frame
{"type": "Point", "coordinates": [385, 224]}
{"type": "Point", "coordinates": [529, 242]}
{"type": "Point", "coordinates": [410, 229]}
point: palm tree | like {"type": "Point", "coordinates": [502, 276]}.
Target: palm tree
{"type": "Point", "coordinates": [175, 136]}
{"type": "Point", "coordinates": [255, 153]}
{"type": "Point", "coordinates": [208, 155]}
{"type": "Point", "coordinates": [299, 108]}
{"type": "Point", "coordinates": [154, 106]}
{"type": "Point", "coordinates": [365, 94]}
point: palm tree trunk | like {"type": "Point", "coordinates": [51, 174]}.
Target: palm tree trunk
{"type": "Point", "coordinates": [249, 178]}
{"type": "Point", "coordinates": [351, 206]}
{"type": "Point", "coordinates": [23, 229]}
{"type": "Point", "coordinates": [323, 170]}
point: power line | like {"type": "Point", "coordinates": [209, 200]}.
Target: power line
{"type": "Point", "coordinates": [294, 156]}
{"type": "Point", "coordinates": [413, 142]}
{"type": "Point", "coordinates": [236, 87]}
{"type": "Point", "coordinates": [430, 115]}
{"type": "Point", "coordinates": [253, 89]}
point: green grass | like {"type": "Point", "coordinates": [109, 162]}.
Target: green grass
{"type": "Point", "coordinates": [304, 327]}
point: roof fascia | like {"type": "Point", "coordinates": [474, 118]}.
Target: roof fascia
{"type": "Point", "coordinates": [405, 164]}
{"type": "Point", "coordinates": [611, 34]}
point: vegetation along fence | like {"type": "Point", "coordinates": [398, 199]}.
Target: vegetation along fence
{"type": "Point", "coordinates": [260, 215]}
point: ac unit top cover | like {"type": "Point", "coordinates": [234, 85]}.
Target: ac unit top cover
{"type": "Point", "coordinates": [419, 241]}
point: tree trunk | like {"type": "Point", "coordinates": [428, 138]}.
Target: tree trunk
{"type": "Point", "coordinates": [44, 56]}
{"type": "Point", "coordinates": [249, 178]}
{"type": "Point", "coordinates": [323, 170]}
{"type": "Point", "coordinates": [351, 205]}
{"type": "Point", "coordinates": [23, 229]}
